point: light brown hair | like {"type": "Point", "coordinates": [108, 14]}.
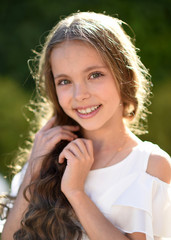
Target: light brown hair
{"type": "Point", "coordinates": [50, 215]}
{"type": "Point", "coordinates": [106, 34]}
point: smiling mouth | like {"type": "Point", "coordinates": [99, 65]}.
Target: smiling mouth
{"type": "Point", "coordinates": [88, 110]}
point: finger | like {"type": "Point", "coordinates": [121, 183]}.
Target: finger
{"type": "Point", "coordinates": [57, 138]}
{"type": "Point", "coordinates": [61, 157]}
{"type": "Point", "coordinates": [65, 154]}
{"type": "Point", "coordinates": [49, 124]}
{"type": "Point", "coordinates": [71, 128]}
{"type": "Point", "coordinates": [89, 146]}
{"type": "Point", "coordinates": [75, 149]}
{"type": "Point", "coordinates": [80, 145]}
{"type": "Point", "coordinates": [59, 131]}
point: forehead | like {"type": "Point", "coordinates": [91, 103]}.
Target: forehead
{"type": "Point", "coordinates": [74, 56]}
{"type": "Point", "coordinates": [75, 50]}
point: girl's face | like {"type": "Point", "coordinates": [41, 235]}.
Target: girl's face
{"type": "Point", "coordinates": [85, 87]}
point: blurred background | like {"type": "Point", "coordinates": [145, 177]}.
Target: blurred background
{"type": "Point", "coordinates": [24, 25]}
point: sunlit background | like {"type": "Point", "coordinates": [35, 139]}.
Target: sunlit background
{"type": "Point", "coordinates": [24, 25]}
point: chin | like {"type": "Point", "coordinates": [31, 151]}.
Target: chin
{"type": "Point", "coordinates": [90, 127]}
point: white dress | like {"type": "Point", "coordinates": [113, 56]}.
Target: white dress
{"type": "Point", "coordinates": [131, 199]}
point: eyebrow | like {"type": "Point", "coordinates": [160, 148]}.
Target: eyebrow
{"type": "Point", "coordinates": [85, 71]}
{"type": "Point", "coordinates": [93, 67]}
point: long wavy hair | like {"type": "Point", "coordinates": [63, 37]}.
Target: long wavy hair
{"type": "Point", "coordinates": [49, 214]}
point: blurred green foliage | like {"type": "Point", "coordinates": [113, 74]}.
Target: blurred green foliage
{"type": "Point", "coordinates": [12, 124]}
{"type": "Point", "coordinates": [24, 25]}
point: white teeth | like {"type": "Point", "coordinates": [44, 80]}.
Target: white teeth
{"type": "Point", "coordinates": [87, 110]}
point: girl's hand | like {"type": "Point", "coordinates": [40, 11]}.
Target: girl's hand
{"type": "Point", "coordinates": [79, 155]}
{"type": "Point", "coordinates": [46, 139]}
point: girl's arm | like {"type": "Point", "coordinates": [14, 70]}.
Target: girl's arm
{"type": "Point", "coordinates": [45, 140]}
{"type": "Point", "coordinates": [94, 222]}
{"type": "Point", "coordinates": [79, 155]}
{"type": "Point", "coordinates": [15, 215]}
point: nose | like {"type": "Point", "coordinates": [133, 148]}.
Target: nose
{"type": "Point", "coordinates": [81, 92]}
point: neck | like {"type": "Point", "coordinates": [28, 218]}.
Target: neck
{"type": "Point", "coordinates": [107, 138]}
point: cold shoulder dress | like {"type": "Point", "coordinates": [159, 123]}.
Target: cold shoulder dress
{"type": "Point", "coordinates": [130, 198]}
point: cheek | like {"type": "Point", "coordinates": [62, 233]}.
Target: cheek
{"type": "Point", "coordinates": [110, 92]}
{"type": "Point", "coordinates": [63, 98]}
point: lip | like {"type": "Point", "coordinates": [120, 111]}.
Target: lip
{"type": "Point", "coordinates": [90, 106]}
{"type": "Point", "coordinates": [88, 115]}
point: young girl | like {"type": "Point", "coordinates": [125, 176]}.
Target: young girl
{"type": "Point", "coordinates": [88, 176]}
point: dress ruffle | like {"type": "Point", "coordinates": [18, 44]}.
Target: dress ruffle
{"type": "Point", "coordinates": [133, 200]}
{"type": "Point", "coordinates": [143, 205]}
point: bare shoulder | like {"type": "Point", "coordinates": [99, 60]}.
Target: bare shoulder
{"type": "Point", "coordinates": [159, 166]}
{"type": "Point", "coordinates": [136, 235]}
